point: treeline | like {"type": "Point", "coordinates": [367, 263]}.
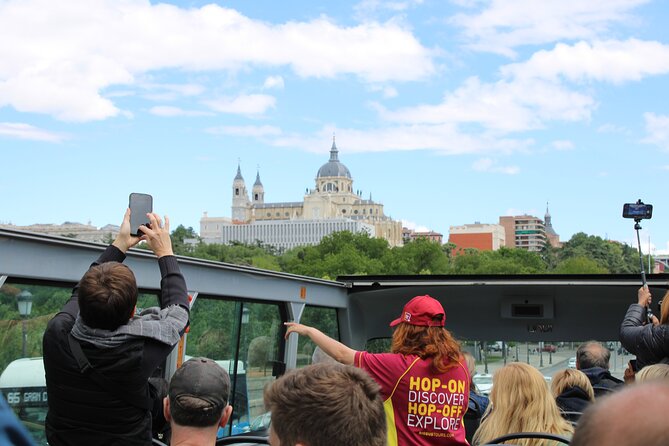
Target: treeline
{"type": "Point", "coordinates": [345, 253]}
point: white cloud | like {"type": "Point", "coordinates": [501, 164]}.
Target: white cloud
{"type": "Point", "coordinates": [246, 130]}
{"type": "Point", "coordinates": [273, 82]}
{"type": "Point", "coordinates": [64, 54]}
{"type": "Point", "coordinates": [414, 226]}
{"type": "Point", "coordinates": [502, 25]}
{"type": "Point", "coordinates": [605, 61]}
{"type": "Point", "coordinates": [443, 139]}
{"type": "Point", "coordinates": [488, 165]}
{"type": "Point", "coordinates": [657, 130]}
{"type": "Point", "coordinates": [251, 104]}
{"type": "Point", "coordinates": [562, 145]}
{"type": "Point", "coordinates": [20, 130]}
{"type": "Point", "coordinates": [170, 92]}
{"type": "Point", "coordinates": [611, 128]}
{"type": "Point", "coordinates": [169, 111]}
{"type": "Point", "coordinates": [506, 105]}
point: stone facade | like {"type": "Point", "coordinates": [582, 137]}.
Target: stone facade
{"type": "Point", "coordinates": [331, 200]}
{"type": "Point", "coordinates": [79, 231]}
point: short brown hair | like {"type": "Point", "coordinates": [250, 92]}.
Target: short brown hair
{"type": "Point", "coordinates": [107, 295]}
{"type": "Point", "coordinates": [342, 403]}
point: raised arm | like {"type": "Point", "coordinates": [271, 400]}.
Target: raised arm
{"type": "Point", "coordinates": [332, 347]}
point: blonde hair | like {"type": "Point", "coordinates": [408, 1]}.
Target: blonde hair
{"type": "Point", "coordinates": [655, 372]}
{"type": "Point", "coordinates": [567, 378]}
{"type": "Point", "coordinates": [521, 402]}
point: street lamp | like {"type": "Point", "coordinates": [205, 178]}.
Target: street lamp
{"type": "Point", "coordinates": [25, 303]}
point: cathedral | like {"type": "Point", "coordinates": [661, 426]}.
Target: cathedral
{"type": "Point", "coordinates": [332, 205]}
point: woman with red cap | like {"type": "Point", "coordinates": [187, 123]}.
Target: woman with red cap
{"type": "Point", "coordinates": [424, 380]}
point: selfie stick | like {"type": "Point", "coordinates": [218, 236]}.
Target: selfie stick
{"type": "Point", "coordinates": [637, 226]}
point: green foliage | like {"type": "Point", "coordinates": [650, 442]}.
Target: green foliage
{"type": "Point", "coordinates": [259, 349]}
{"type": "Point", "coordinates": [179, 237]}
{"type": "Point", "coordinates": [615, 257]}
{"type": "Point", "coordinates": [502, 261]}
{"type": "Point", "coordinates": [340, 253]}
{"type": "Point", "coordinates": [579, 265]}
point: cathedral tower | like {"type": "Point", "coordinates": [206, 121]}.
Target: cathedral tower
{"type": "Point", "coordinates": [240, 199]}
{"type": "Point", "coordinates": [258, 192]}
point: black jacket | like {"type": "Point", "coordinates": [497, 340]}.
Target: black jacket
{"type": "Point", "coordinates": [602, 381]}
{"type": "Point", "coordinates": [573, 399]}
{"type": "Point", "coordinates": [649, 343]}
{"type": "Point", "coordinates": [80, 411]}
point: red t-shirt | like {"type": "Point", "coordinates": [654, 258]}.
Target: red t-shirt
{"type": "Point", "coordinates": [422, 408]}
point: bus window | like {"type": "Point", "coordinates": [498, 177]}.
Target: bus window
{"type": "Point", "coordinates": [25, 310]}
{"type": "Point", "coordinates": [244, 338]}
{"type": "Point", "coordinates": [322, 318]}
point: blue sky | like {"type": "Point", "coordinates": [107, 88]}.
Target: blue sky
{"type": "Point", "coordinates": [446, 112]}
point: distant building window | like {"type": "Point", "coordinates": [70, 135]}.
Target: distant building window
{"type": "Point", "coordinates": [355, 212]}
{"type": "Point", "coordinates": [286, 214]}
{"type": "Point", "coordinates": [278, 214]}
{"type": "Point", "coordinates": [256, 197]}
{"type": "Point", "coordinates": [343, 211]}
{"type": "Point", "coordinates": [269, 214]}
{"type": "Point", "coordinates": [236, 191]}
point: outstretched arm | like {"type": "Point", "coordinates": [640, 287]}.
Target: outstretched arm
{"type": "Point", "coordinates": [332, 347]}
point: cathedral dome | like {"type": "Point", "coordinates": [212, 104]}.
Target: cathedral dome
{"type": "Point", "coordinates": [333, 168]}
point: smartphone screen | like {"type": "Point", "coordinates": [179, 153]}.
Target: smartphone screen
{"type": "Point", "coordinates": [140, 205]}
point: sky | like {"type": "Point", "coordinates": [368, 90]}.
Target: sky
{"type": "Point", "coordinates": [447, 112]}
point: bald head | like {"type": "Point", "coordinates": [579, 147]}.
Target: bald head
{"type": "Point", "coordinates": [592, 354]}
{"type": "Point", "coordinates": [635, 415]}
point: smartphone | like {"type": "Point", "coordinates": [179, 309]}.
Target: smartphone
{"type": "Point", "coordinates": [140, 205]}
{"type": "Point", "coordinates": [638, 211]}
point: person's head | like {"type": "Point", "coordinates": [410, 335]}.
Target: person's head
{"type": "Point", "coordinates": [664, 309]}
{"type": "Point", "coordinates": [343, 406]}
{"type": "Point", "coordinates": [107, 296]}
{"type": "Point", "coordinates": [655, 372]}
{"type": "Point", "coordinates": [198, 395]}
{"type": "Point", "coordinates": [568, 378]}
{"type": "Point", "coordinates": [634, 415]}
{"type": "Point", "coordinates": [420, 331]}
{"type": "Point", "coordinates": [521, 402]}
{"type": "Point", "coordinates": [592, 354]}
{"type": "Point", "coordinates": [471, 363]}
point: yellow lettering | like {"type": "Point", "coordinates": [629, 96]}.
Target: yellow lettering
{"type": "Point", "coordinates": [414, 383]}
{"type": "Point", "coordinates": [436, 383]}
{"type": "Point", "coordinates": [422, 409]}
{"type": "Point", "coordinates": [446, 411]}
{"type": "Point", "coordinates": [425, 384]}
{"type": "Point", "coordinates": [431, 408]}
{"type": "Point", "coordinates": [413, 408]}
{"type": "Point", "coordinates": [461, 387]}
{"type": "Point", "coordinates": [452, 386]}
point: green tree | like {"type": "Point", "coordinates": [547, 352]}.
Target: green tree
{"type": "Point", "coordinates": [615, 257]}
{"type": "Point", "coordinates": [579, 265]}
{"type": "Point", "coordinates": [179, 237]}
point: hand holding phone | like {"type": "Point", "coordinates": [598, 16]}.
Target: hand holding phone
{"type": "Point", "coordinates": [140, 205]}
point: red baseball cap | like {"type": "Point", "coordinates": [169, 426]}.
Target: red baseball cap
{"type": "Point", "coordinates": [420, 311]}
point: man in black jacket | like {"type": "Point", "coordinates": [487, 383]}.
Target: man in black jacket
{"type": "Point", "coordinates": [592, 358]}
{"type": "Point", "coordinates": [98, 356]}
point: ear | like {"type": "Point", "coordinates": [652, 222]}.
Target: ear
{"type": "Point", "coordinates": [134, 310]}
{"type": "Point", "coordinates": [225, 416]}
{"type": "Point", "coordinates": [166, 409]}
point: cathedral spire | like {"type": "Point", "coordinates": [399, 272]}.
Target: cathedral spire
{"type": "Point", "coordinates": [239, 171]}
{"type": "Point", "coordinates": [334, 153]}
